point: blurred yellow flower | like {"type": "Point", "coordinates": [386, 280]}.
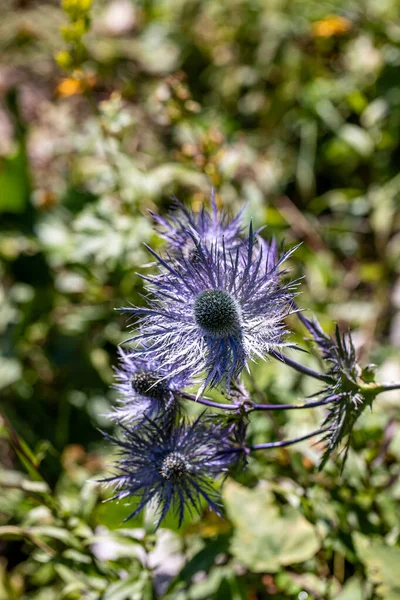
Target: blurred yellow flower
{"type": "Point", "coordinates": [70, 86]}
{"type": "Point", "coordinates": [330, 26]}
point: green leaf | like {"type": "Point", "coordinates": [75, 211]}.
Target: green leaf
{"type": "Point", "coordinates": [10, 371]}
{"type": "Point", "coordinates": [77, 576]}
{"type": "Point", "coordinates": [127, 589]}
{"type": "Point", "coordinates": [77, 557]}
{"type": "Point", "coordinates": [72, 588]}
{"type": "Point", "coordinates": [357, 138]}
{"type": "Point", "coordinates": [15, 479]}
{"type": "Point", "coordinates": [382, 564]}
{"type": "Point", "coordinates": [202, 561]}
{"type": "Point", "coordinates": [207, 588]}
{"type": "Point", "coordinates": [23, 451]}
{"type": "Point", "coordinates": [56, 533]}
{"type": "Point", "coordinates": [14, 182]}
{"type": "Point", "coordinates": [264, 539]}
{"type": "Point", "coordinates": [353, 590]}
{"type": "Point", "coordinates": [230, 588]}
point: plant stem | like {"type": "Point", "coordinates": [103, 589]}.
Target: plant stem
{"type": "Point", "coordinates": [374, 388]}
{"type": "Point", "coordinates": [210, 403]}
{"type": "Point", "coordinates": [254, 406]}
{"type": "Point", "coordinates": [305, 320]}
{"type": "Point", "coordinates": [283, 443]}
{"type": "Point", "coordinates": [293, 406]}
{"type": "Point", "coordinates": [300, 368]}
{"type": "Point", "coordinates": [386, 387]}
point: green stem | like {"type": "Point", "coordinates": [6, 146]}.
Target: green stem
{"type": "Point", "coordinates": [373, 389]}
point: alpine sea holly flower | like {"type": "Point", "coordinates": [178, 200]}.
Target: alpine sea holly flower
{"type": "Point", "coordinates": [146, 389]}
{"type": "Point", "coordinates": [214, 314]}
{"type": "Point", "coordinates": [174, 468]}
{"type": "Point", "coordinates": [211, 227]}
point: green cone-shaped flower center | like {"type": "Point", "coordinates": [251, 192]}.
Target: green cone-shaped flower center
{"type": "Point", "coordinates": [217, 313]}
{"type": "Point", "coordinates": [174, 466]}
{"type": "Point", "coordinates": [147, 383]}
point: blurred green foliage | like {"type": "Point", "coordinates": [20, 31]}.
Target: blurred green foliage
{"type": "Point", "coordinates": [105, 112]}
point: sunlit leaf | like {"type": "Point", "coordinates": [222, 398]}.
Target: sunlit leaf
{"type": "Point", "coordinates": [382, 564]}
{"type": "Point", "coordinates": [265, 539]}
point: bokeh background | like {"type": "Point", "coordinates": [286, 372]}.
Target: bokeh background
{"type": "Point", "coordinates": [106, 112]}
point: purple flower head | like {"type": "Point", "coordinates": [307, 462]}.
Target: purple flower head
{"type": "Point", "coordinates": [174, 468]}
{"type": "Point", "coordinates": [210, 227]}
{"type": "Point", "coordinates": [146, 389]}
{"type": "Point", "coordinates": [214, 314]}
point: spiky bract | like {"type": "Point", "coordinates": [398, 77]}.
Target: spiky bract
{"type": "Point", "coordinates": [212, 227]}
{"type": "Point", "coordinates": [173, 467]}
{"type": "Point", "coordinates": [347, 398]}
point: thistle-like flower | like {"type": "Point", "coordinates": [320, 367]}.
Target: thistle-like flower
{"type": "Point", "coordinates": [348, 397]}
{"type": "Point", "coordinates": [211, 227]}
{"type": "Point", "coordinates": [214, 314]}
{"type": "Point", "coordinates": [174, 468]}
{"type": "Point", "coordinates": [146, 389]}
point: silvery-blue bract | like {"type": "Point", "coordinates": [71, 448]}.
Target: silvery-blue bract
{"type": "Point", "coordinates": [211, 312]}
{"type": "Point", "coordinates": [171, 467]}
{"type": "Point", "coordinates": [212, 227]}
{"type": "Point", "coordinates": [145, 389]}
